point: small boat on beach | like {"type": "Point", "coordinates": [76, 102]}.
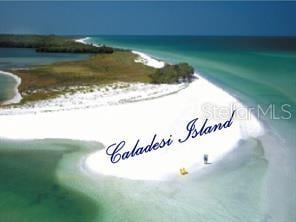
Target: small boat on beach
{"type": "Point", "coordinates": [183, 171]}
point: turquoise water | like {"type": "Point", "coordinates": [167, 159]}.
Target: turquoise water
{"type": "Point", "coordinates": [30, 189]}
{"type": "Point", "coordinates": [254, 183]}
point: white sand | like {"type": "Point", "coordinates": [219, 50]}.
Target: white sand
{"type": "Point", "coordinates": [148, 60]}
{"type": "Point", "coordinates": [165, 116]}
{"type": "Point", "coordinates": [142, 57]}
{"type": "Point", "coordinates": [85, 41]}
{"type": "Point", "coordinates": [97, 96]}
{"type": "Point", "coordinates": [82, 40]}
{"type": "Point", "coordinates": [169, 116]}
{"type": "Point", "coordinates": [17, 97]}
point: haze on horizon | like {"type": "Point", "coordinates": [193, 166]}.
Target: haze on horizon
{"type": "Point", "coordinates": [149, 18]}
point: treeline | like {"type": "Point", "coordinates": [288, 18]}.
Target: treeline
{"type": "Point", "coordinates": [50, 43]}
{"type": "Point", "coordinates": [181, 72]}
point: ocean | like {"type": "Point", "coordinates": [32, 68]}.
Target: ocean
{"type": "Point", "coordinates": [255, 182]}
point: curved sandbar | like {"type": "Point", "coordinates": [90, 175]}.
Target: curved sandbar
{"type": "Point", "coordinates": [163, 116]}
{"type": "Point", "coordinates": [149, 61]}
{"type": "Point", "coordinates": [169, 116]}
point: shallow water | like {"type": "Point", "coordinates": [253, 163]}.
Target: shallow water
{"type": "Point", "coordinates": [220, 194]}
{"type": "Point", "coordinates": [43, 180]}
{"type": "Point", "coordinates": [7, 85]}
{"type": "Point", "coordinates": [30, 189]}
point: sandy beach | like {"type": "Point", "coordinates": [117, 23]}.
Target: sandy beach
{"type": "Point", "coordinates": [97, 96]}
{"type": "Point", "coordinates": [85, 41]}
{"type": "Point", "coordinates": [164, 116]}
{"type": "Point", "coordinates": [142, 57]}
{"type": "Point", "coordinates": [148, 60]}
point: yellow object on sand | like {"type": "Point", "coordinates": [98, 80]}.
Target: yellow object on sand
{"type": "Point", "coordinates": [183, 171]}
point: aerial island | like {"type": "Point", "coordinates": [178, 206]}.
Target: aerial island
{"type": "Point", "coordinates": [119, 96]}
{"type": "Point", "coordinates": [104, 65]}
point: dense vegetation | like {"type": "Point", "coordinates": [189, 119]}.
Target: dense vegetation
{"type": "Point", "coordinates": [50, 43]}
{"type": "Point", "coordinates": [46, 81]}
{"type": "Point", "coordinates": [181, 72]}
{"type": "Point", "coordinates": [43, 82]}
{"type": "Point", "coordinates": [106, 66]}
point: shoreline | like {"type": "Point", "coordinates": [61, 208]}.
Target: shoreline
{"type": "Point", "coordinates": [244, 129]}
{"type": "Point", "coordinates": [94, 125]}
{"type": "Point", "coordinates": [164, 115]}
{"type": "Point", "coordinates": [17, 97]}
{"type": "Point", "coordinates": [97, 96]}
{"type": "Point", "coordinates": [142, 57]}
{"type": "Point", "coordinates": [84, 41]}
{"type": "Point", "coordinates": [148, 60]}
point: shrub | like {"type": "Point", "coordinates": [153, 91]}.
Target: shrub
{"type": "Point", "coordinates": [181, 72]}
